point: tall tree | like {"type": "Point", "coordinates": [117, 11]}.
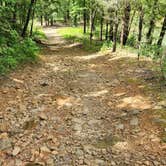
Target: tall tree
{"type": "Point", "coordinates": [84, 15]}
{"type": "Point", "coordinates": [162, 33]}
{"type": "Point", "coordinates": [125, 23]}
{"type": "Point", "coordinates": [149, 36]}
{"type": "Point", "coordinates": [28, 18]}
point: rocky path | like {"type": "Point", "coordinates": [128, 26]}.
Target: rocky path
{"type": "Point", "coordinates": [79, 108]}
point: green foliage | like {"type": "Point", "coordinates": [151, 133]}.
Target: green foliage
{"type": "Point", "coordinates": [75, 34]}
{"type": "Point", "coordinates": [106, 45]}
{"type": "Point", "coordinates": [152, 51]}
{"type": "Point", "coordinates": [157, 54]}
{"type": "Point", "coordinates": [38, 34]}
{"type": "Point", "coordinates": [16, 52]}
{"type": "Point", "coordinates": [132, 40]}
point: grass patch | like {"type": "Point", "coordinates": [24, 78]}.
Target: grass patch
{"type": "Point", "coordinates": [75, 34]}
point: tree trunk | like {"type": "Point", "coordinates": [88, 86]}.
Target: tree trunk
{"type": "Point", "coordinates": [15, 15]}
{"type": "Point", "coordinates": [28, 18]}
{"type": "Point", "coordinates": [101, 28]}
{"type": "Point", "coordinates": [84, 15]}
{"type": "Point", "coordinates": [41, 20]}
{"type": "Point", "coordinates": [162, 33]}
{"type": "Point", "coordinates": [52, 22]}
{"type": "Point", "coordinates": [149, 36]}
{"type": "Point", "coordinates": [68, 12]}
{"type": "Point", "coordinates": [92, 20]}
{"type": "Point", "coordinates": [33, 15]}
{"type": "Point", "coordinates": [75, 21]}
{"type": "Point", "coordinates": [140, 27]}
{"type": "Point", "coordinates": [106, 32]}
{"type": "Point", "coordinates": [115, 33]}
{"type": "Point", "coordinates": [125, 24]}
{"type": "Point", "coordinates": [131, 21]}
{"type": "Point", "coordinates": [111, 31]}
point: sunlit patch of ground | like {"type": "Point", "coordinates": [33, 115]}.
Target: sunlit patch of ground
{"type": "Point", "coordinates": [66, 101]}
{"type": "Point", "coordinates": [89, 57]}
{"type": "Point", "coordinates": [135, 102]}
{"type": "Point", "coordinates": [97, 94]}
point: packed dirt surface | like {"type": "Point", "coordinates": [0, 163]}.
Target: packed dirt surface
{"type": "Point", "coordinates": [81, 108]}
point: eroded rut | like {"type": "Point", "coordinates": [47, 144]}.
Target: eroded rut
{"type": "Point", "coordinates": [78, 108]}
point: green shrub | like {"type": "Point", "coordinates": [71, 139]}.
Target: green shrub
{"type": "Point", "coordinates": [38, 34]}
{"type": "Point", "coordinates": [132, 41]}
{"type": "Point", "coordinates": [16, 51]}
{"type": "Point", "coordinates": [152, 51]}
{"type": "Point", "coordinates": [157, 54]}
{"type": "Point", "coordinates": [106, 45]}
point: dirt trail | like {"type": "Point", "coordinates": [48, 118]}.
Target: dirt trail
{"type": "Point", "coordinates": [79, 108]}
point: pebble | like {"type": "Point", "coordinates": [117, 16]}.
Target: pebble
{"type": "Point", "coordinates": [43, 116]}
{"type": "Point", "coordinates": [135, 112]}
{"type": "Point", "coordinates": [120, 127]}
{"type": "Point", "coordinates": [45, 149]}
{"type": "Point", "coordinates": [16, 150]}
{"type": "Point", "coordinates": [134, 122]}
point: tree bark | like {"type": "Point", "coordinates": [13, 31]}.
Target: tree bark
{"type": "Point", "coordinates": [106, 31]}
{"type": "Point", "coordinates": [149, 36]}
{"type": "Point", "coordinates": [33, 15]}
{"type": "Point", "coordinates": [52, 22]}
{"type": "Point", "coordinates": [162, 33]}
{"type": "Point", "coordinates": [84, 16]}
{"type": "Point", "coordinates": [111, 31]}
{"type": "Point", "coordinates": [115, 37]}
{"type": "Point", "coordinates": [92, 19]}
{"type": "Point", "coordinates": [41, 20]}
{"type": "Point", "coordinates": [115, 32]}
{"type": "Point", "coordinates": [131, 21]}
{"type": "Point", "coordinates": [125, 24]}
{"type": "Point", "coordinates": [140, 27]}
{"type": "Point", "coordinates": [28, 18]}
{"type": "Point", "coordinates": [101, 28]}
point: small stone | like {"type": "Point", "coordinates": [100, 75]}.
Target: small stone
{"type": "Point", "coordinates": [99, 162]}
{"type": "Point", "coordinates": [77, 127]}
{"type": "Point", "coordinates": [134, 122]}
{"type": "Point", "coordinates": [54, 152]}
{"type": "Point", "coordinates": [16, 151]}
{"type": "Point", "coordinates": [50, 161]}
{"type": "Point", "coordinates": [81, 162]}
{"type": "Point", "coordinates": [43, 116]}
{"type": "Point", "coordinates": [45, 149]}
{"type": "Point", "coordinates": [10, 109]}
{"type": "Point", "coordinates": [18, 162]}
{"type": "Point", "coordinates": [147, 163]}
{"type": "Point", "coordinates": [44, 83]}
{"type": "Point", "coordinates": [113, 163]}
{"type": "Point", "coordinates": [156, 163]}
{"type": "Point", "coordinates": [124, 114]}
{"type": "Point", "coordinates": [120, 127]}
{"type": "Point", "coordinates": [135, 112]}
